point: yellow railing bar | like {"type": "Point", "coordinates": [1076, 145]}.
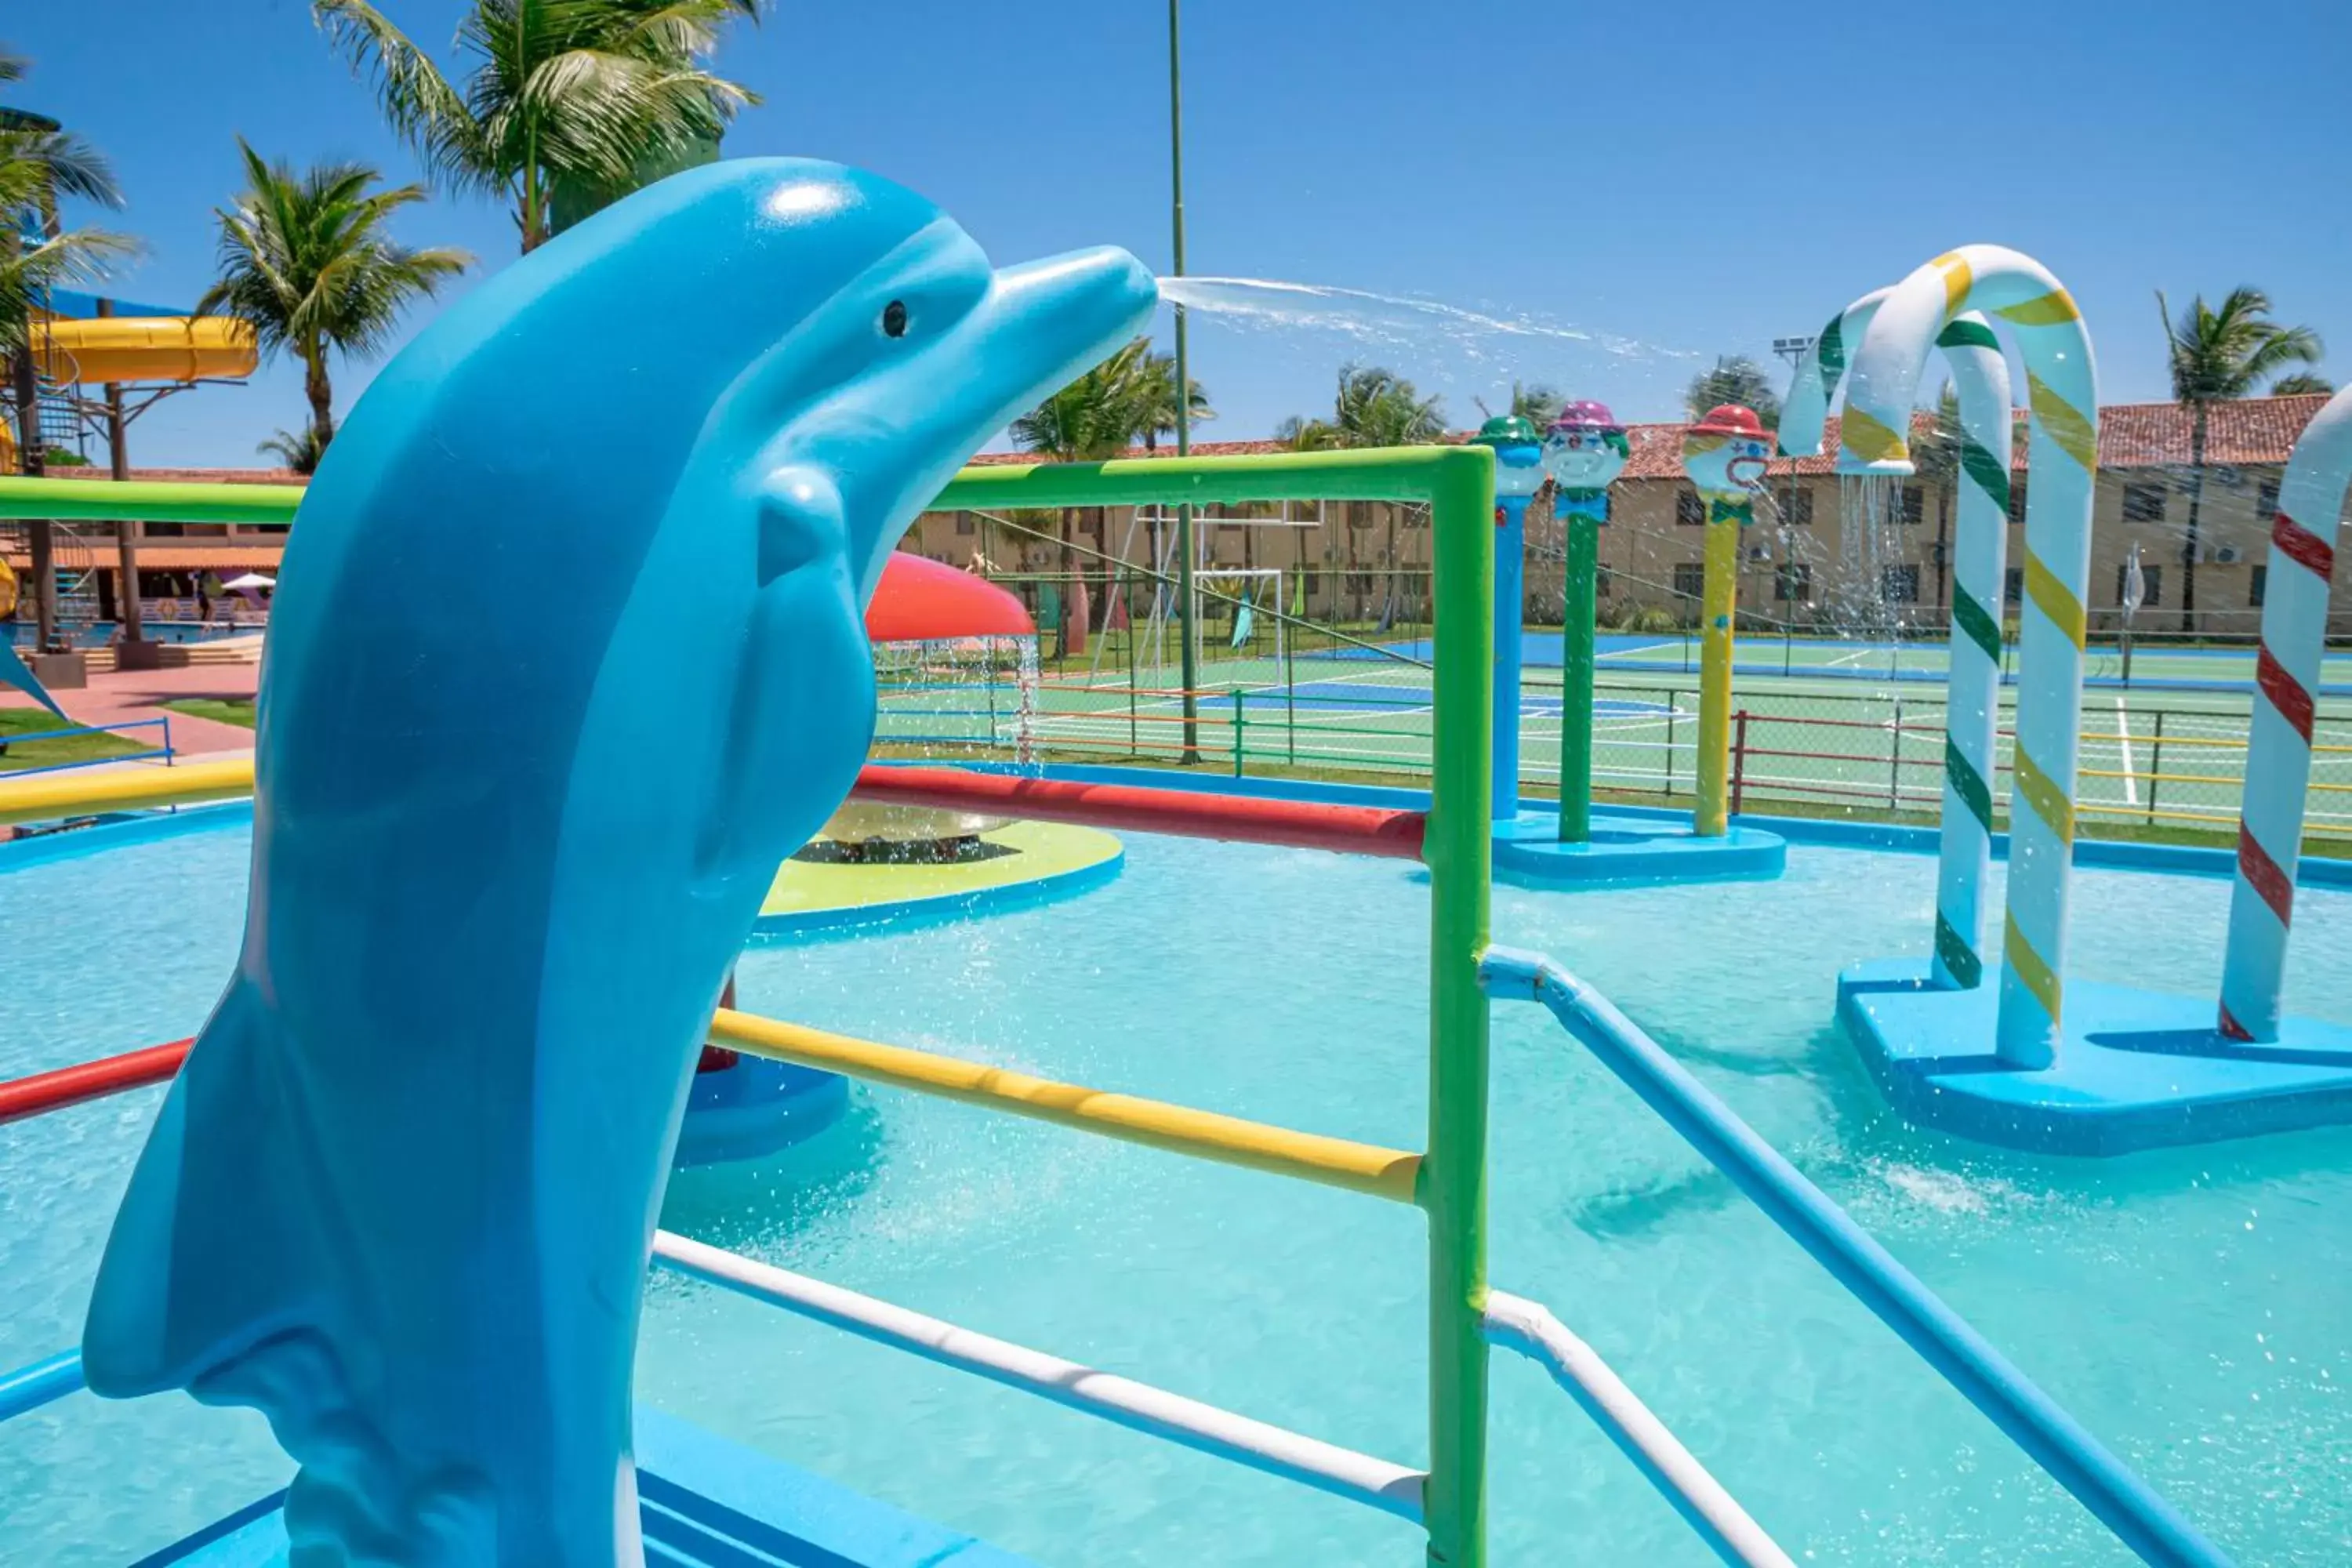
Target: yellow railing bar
{"type": "Point", "coordinates": [45, 797]}
{"type": "Point", "coordinates": [1228, 1140]}
{"type": "Point", "coordinates": [2146, 811]}
{"type": "Point", "coordinates": [2165, 778]}
{"type": "Point", "coordinates": [2235, 743]}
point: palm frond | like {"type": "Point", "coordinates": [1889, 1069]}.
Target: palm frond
{"type": "Point", "coordinates": [417, 100]}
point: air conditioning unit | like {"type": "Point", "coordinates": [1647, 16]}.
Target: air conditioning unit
{"type": "Point", "coordinates": [2226, 554]}
{"type": "Point", "coordinates": [1759, 552]}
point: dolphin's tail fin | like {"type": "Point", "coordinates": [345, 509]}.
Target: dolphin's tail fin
{"type": "Point", "coordinates": [214, 1250]}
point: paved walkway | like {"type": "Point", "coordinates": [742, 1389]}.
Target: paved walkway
{"type": "Point", "coordinates": [123, 696]}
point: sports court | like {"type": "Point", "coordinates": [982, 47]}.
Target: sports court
{"type": "Point", "coordinates": [1856, 724]}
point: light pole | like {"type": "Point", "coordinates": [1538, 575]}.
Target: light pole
{"type": "Point", "coordinates": [1187, 632]}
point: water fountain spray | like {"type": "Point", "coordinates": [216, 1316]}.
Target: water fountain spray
{"type": "Point", "coordinates": [1980, 547]}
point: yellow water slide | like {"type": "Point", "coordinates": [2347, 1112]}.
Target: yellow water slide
{"type": "Point", "coordinates": [93, 350]}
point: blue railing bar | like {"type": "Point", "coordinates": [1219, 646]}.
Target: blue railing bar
{"type": "Point", "coordinates": [2133, 1510]}
{"type": "Point", "coordinates": [88, 730]}
{"type": "Point", "coordinates": [1530, 1328]}
{"type": "Point", "coordinates": [31, 1387]}
{"type": "Point", "coordinates": [163, 754]}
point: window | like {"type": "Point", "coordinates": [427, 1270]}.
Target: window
{"type": "Point", "coordinates": [963, 523]}
{"type": "Point", "coordinates": [2012, 586]}
{"type": "Point", "coordinates": [2151, 582]}
{"type": "Point", "coordinates": [268, 526]}
{"type": "Point", "coordinates": [1689, 511]}
{"type": "Point", "coordinates": [1899, 584]}
{"type": "Point", "coordinates": [2016, 506]}
{"type": "Point", "coordinates": [2143, 503]}
{"type": "Point", "coordinates": [1796, 504]}
{"type": "Point", "coordinates": [1690, 578]}
{"type": "Point", "coordinates": [1915, 505]}
{"type": "Point", "coordinates": [1601, 575]}
{"type": "Point", "coordinates": [2266, 501]}
{"type": "Point", "coordinates": [162, 530]}
{"type": "Point", "coordinates": [1793, 582]}
{"type": "Point", "coordinates": [2256, 583]}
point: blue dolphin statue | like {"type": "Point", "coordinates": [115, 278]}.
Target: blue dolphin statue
{"type": "Point", "coordinates": [566, 658]}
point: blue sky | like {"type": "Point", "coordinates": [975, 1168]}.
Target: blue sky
{"type": "Point", "coordinates": [1683, 176]}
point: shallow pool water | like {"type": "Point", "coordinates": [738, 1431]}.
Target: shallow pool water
{"type": "Point", "coordinates": [2193, 1307]}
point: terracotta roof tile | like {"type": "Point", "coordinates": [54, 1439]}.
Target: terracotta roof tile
{"type": "Point", "coordinates": [2255, 430]}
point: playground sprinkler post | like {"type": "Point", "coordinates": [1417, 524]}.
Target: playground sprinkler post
{"type": "Point", "coordinates": [1583, 451]}
{"type": "Point", "coordinates": [1724, 454]}
{"type": "Point", "coordinates": [1518, 475]}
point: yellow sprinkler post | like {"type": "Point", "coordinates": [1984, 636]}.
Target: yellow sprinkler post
{"type": "Point", "coordinates": [2061, 387]}
{"type": "Point", "coordinates": [1724, 455]}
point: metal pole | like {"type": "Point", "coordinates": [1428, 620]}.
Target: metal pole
{"type": "Point", "coordinates": [32, 461]}
{"type": "Point", "coordinates": [126, 532]}
{"type": "Point", "coordinates": [1457, 848]}
{"type": "Point", "coordinates": [1187, 627]}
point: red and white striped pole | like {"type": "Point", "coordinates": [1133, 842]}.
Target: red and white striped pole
{"type": "Point", "coordinates": [2278, 750]}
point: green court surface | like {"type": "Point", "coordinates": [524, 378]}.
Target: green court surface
{"type": "Point", "coordinates": [2150, 757]}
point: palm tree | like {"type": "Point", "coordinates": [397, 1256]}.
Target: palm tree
{"type": "Point", "coordinates": [1534, 402]}
{"type": "Point", "coordinates": [1127, 400]}
{"type": "Point", "coordinates": [306, 262]}
{"type": "Point", "coordinates": [565, 104]}
{"type": "Point", "coordinates": [1734, 379]}
{"type": "Point", "coordinates": [42, 166]}
{"type": "Point", "coordinates": [2218, 356]}
{"type": "Point", "coordinates": [297, 449]}
{"type": "Point", "coordinates": [2303, 383]}
{"type": "Point", "coordinates": [1373, 406]}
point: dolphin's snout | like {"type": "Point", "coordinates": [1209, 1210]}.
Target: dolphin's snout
{"type": "Point", "coordinates": [1105, 288]}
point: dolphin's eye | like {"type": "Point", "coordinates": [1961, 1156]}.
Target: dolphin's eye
{"type": "Point", "coordinates": [894, 319]}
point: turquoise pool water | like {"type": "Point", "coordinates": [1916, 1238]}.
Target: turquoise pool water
{"type": "Point", "coordinates": [2193, 1307]}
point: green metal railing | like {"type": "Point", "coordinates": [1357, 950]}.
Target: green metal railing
{"type": "Point", "coordinates": [1458, 485]}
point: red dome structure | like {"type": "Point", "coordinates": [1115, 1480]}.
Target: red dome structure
{"type": "Point", "coordinates": [922, 600]}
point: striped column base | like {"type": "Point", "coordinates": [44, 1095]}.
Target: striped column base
{"type": "Point", "coordinates": [2136, 1069]}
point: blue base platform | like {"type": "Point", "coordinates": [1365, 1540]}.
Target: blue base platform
{"type": "Point", "coordinates": [2137, 1069]}
{"type": "Point", "coordinates": [756, 1108]}
{"type": "Point", "coordinates": [705, 1503]}
{"type": "Point", "coordinates": [1528, 852]}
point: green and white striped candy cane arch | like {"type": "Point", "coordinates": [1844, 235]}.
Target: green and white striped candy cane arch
{"type": "Point", "coordinates": [1979, 551]}
{"type": "Point", "coordinates": [2063, 396]}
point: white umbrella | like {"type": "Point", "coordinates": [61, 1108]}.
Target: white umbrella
{"type": "Point", "coordinates": [251, 580]}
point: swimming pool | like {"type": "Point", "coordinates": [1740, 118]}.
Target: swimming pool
{"type": "Point", "coordinates": [2189, 1306]}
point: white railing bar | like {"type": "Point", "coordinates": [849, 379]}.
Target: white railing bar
{"type": "Point", "coordinates": [1392, 1488]}
{"type": "Point", "coordinates": [1528, 1327]}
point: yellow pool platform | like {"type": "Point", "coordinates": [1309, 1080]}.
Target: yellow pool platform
{"type": "Point", "coordinates": [1035, 863]}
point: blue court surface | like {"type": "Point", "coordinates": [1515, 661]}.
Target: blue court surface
{"type": "Point", "coordinates": [2156, 666]}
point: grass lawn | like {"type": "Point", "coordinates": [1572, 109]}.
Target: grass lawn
{"type": "Point", "coordinates": [220, 710]}
{"type": "Point", "coordinates": [81, 748]}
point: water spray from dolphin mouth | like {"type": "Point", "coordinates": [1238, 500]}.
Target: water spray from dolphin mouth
{"type": "Point", "coordinates": [1389, 320]}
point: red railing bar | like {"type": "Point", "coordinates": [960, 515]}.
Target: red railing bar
{"type": "Point", "coordinates": [45, 1091]}
{"type": "Point", "coordinates": [1300, 824]}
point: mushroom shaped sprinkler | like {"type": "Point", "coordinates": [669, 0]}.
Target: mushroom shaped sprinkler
{"type": "Point", "coordinates": [1518, 475]}
{"type": "Point", "coordinates": [1724, 455]}
{"type": "Point", "coordinates": [1583, 451]}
